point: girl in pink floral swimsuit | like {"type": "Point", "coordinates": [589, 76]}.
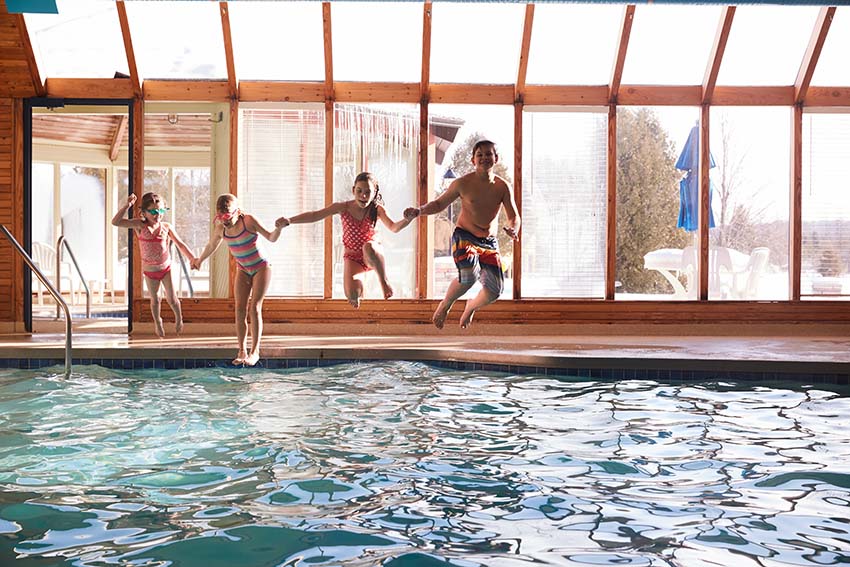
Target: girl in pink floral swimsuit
{"type": "Point", "coordinates": [363, 252]}
{"type": "Point", "coordinates": [154, 236]}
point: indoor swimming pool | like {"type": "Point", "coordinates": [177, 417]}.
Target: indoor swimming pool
{"type": "Point", "coordinates": [405, 464]}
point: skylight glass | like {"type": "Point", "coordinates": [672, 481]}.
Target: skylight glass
{"type": "Point", "coordinates": [277, 41]}
{"type": "Point", "coordinates": [766, 45]}
{"type": "Point", "coordinates": [177, 40]}
{"type": "Point", "coordinates": [360, 54]}
{"type": "Point", "coordinates": [82, 41]}
{"type": "Point", "coordinates": [476, 43]}
{"type": "Point", "coordinates": [832, 69]}
{"type": "Point", "coordinates": [670, 45]}
{"type": "Point", "coordinates": [573, 44]}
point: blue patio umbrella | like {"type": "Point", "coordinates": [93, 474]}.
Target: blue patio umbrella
{"type": "Point", "coordinates": [689, 185]}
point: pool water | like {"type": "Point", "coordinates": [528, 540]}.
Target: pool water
{"type": "Point", "coordinates": [404, 464]}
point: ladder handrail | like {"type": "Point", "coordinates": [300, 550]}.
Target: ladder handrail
{"type": "Point", "coordinates": [62, 240]}
{"type": "Point", "coordinates": [185, 271]}
{"type": "Point", "coordinates": [53, 291]}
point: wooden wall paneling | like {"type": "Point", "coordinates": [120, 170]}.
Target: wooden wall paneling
{"type": "Point", "coordinates": [650, 95]}
{"type": "Point", "coordinates": [35, 76]}
{"type": "Point", "coordinates": [828, 97]}
{"type": "Point", "coordinates": [471, 94]}
{"type": "Point", "coordinates": [376, 92]}
{"type": "Point", "coordinates": [622, 47]}
{"type": "Point", "coordinates": [716, 55]}
{"type": "Point", "coordinates": [189, 91]}
{"type": "Point", "coordinates": [128, 48]}
{"type": "Point", "coordinates": [704, 203]}
{"type": "Point", "coordinates": [813, 50]}
{"type": "Point", "coordinates": [556, 95]}
{"type": "Point", "coordinates": [89, 88]}
{"type": "Point", "coordinates": [795, 239]}
{"type": "Point", "coordinates": [329, 197]}
{"type": "Point", "coordinates": [753, 96]}
{"type": "Point", "coordinates": [8, 199]}
{"type": "Point", "coordinates": [138, 148]}
{"type": "Point", "coordinates": [426, 156]}
{"type": "Point", "coordinates": [277, 91]}
{"type": "Point", "coordinates": [516, 261]}
{"type": "Point", "coordinates": [228, 49]}
{"type": "Point", "coordinates": [611, 210]}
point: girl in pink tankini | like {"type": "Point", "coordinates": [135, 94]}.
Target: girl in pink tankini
{"type": "Point", "coordinates": [155, 236]}
{"type": "Point", "coordinates": [363, 251]}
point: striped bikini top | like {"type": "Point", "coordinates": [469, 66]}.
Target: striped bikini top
{"type": "Point", "coordinates": [243, 246]}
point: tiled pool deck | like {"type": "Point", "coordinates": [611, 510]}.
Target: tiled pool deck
{"type": "Point", "coordinates": [815, 359]}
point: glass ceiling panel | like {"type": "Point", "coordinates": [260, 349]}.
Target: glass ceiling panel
{"type": "Point", "coordinates": [475, 43]}
{"type": "Point", "coordinates": [766, 45]}
{"type": "Point", "coordinates": [573, 44]}
{"type": "Point", "coordinates": [82, 41]}
{"type": "Point", "coordinates": [670, 45]}
{"type": "Point", "coordinates": [833, 69]}
{"type": "Point", "coordinates": [266, 35]}
{"type": "Point", "coordinates": [177, 40]}
{"type": "Point", "coordinates": [360, 54]}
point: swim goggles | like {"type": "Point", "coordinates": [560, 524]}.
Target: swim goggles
{"type": "Point", "coordinates": [157, 211]}
{"type": "Point", "coordinates": [227, 216]}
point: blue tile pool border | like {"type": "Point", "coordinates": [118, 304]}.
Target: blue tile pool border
{"type": "Point", "coordinates": [817, 374]}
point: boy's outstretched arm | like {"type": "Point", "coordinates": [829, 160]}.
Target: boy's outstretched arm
{"type": "Point", "coordinates": [437, 205]}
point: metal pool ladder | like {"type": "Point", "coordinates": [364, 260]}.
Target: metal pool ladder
{"type": "Point", "coordinates": [56, 295]}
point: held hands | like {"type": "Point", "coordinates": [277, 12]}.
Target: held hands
{"type": "Point", "coordinates": [195, 263]}
{"type": "Point", "coordinates": [511, 231]}
{"type": "Point", "coordinates": [412, 212]}
{"type": "Point", "coordinates": [282, 222]}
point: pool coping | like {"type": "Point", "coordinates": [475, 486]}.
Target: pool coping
{"type": "Point", "coordinates": [563, 365]}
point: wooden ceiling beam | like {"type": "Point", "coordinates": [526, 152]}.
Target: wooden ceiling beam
{"type": "Point", "coordinates": [813, 51]}
{"type": "Point", "coordinates": [522, 70]}
{"type": "Point", "coordinates": [717, 50]}
{"type": "Point", "coordinates": [189, 91]}
{"type": "Point", "coordinates": [623, 46]}
{"type": "Point", "coordinates": [128, 47]}
{"type": "Point", "coordinates": [228, 49]}
{"type": "Point", "coordinates": [425, 82]}
{"type": "Point", "coordinates": [329, 60]}
{"type": "Point", "coordinates": [117, 136]}
{"type": "Point", "coordinates": [32, 65]}
{"type": "Point", "coordinates": [89, 88]}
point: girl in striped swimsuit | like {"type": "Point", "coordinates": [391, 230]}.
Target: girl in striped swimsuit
{"type": "Point", "coordinates": [363, 251]}
{"type": "Point", "coordinates": [239, 231]}
{"type": "Point", "coordinates": [155, 236]}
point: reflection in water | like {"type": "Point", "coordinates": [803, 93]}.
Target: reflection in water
{"type": "Point", "coordinates": [401, 464]}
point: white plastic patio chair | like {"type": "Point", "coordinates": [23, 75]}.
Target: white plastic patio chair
{"type": "Point", "coordinates": [44, 257]}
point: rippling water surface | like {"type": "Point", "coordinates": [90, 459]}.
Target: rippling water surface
{"type": "Point", "coordinates": [402, 464]}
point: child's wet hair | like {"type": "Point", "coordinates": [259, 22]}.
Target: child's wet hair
{"type": "Point", "coordinates": [150, 199]}
{"type": "Point", "coordinates": [372, 213]}
{"type": "Point", "coordinates": [223, 201]}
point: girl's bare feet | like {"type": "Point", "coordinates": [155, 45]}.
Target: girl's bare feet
{"type": "Point", "coordinates": [466, 319]}
{"type": "Point", "coordinates": [251, 359]}
{"type": "Point", "coordinates": [178, 327]}
{"type": "Point", "coordinates": [157, 326]}
{"type": "Point", "coordinates": [240, 358]}
{"type": "Point", "coordinates": [387, 289]}
{"type": "Point", "coordinates": [355, 301]}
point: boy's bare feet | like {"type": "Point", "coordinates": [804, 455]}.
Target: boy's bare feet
{"type": "Point", "coordinates": [466, 319]}
{"type": "Point", "coordinates": [178, 327]}
{"type": "Point", "coordinates": [439, 317]}
{"type": "Point", "coordinates": [251, 359]}
{"type": "Point", "coordinates": [157, 327]}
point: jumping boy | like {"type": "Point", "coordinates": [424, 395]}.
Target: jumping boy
{"type": "Point", "coordinates": [475, 247]}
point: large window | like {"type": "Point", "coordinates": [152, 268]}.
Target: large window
{"type": "Point", "coordinates": [656, 207]}
{"type": "Point", "coordinates": [383, 140]}
{"type": "Point", "coordinates": [826, 206]}
{"type": "Point", "coordinates": [564, 203]}
{"type": "Point", "coordinates": [748, 245]}
{"type": "Point", "coordinates": [281, 173]}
